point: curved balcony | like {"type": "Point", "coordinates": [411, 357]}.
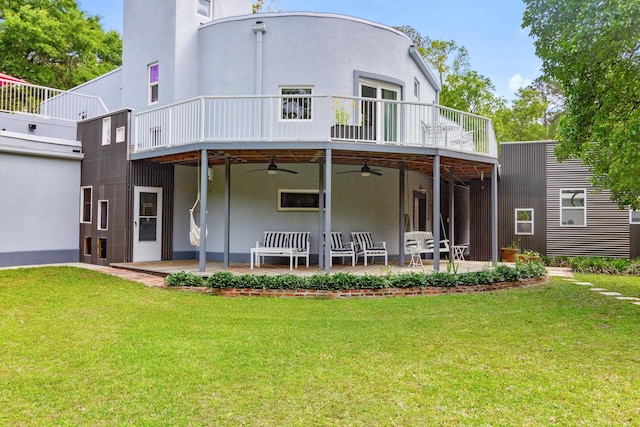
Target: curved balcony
{"type": "Point", "coordinates": [307, 118]}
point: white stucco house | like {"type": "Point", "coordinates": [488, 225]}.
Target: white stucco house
{"type": "Point", "coordinates": [211, 100]}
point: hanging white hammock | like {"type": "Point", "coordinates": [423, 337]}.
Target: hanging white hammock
{"type": "Point", "coordinates": [194, 230]}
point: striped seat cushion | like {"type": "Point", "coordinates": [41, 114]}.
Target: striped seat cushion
{"type": "Point", "coordinates": [276, 240]}
{"type": "Point", "coordinates": [336, 241]}
{"type": "Point", "coordinates": [299, 241]}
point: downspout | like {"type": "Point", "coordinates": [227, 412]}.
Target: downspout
{"type": "Point", "coordinates": [259, 28]}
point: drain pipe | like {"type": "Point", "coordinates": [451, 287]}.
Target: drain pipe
{"type": "Point", "coordinates": [259, 28]}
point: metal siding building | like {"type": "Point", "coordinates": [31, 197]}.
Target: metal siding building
{"type": "Point", "coordinates": [606, 232]}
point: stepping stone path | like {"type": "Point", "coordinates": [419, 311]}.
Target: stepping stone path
{"type": "Point", "coordinates": [603, 291]}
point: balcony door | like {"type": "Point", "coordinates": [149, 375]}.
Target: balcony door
{"type": "Point", "coordinates": [147, 224]}
{"type": "Point", "coordinates": [380, 116]}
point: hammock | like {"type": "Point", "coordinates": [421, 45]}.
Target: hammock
{"type": "Point", "coordinates": [194, 230]}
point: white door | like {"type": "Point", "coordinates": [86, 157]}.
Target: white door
{"type": "Point", "coordinates": [381, 115]}
{"type": "Point", "coordinates": [147, 224]}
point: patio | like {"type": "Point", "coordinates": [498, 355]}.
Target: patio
{"type": "Point", "coordinates": [164, 268]}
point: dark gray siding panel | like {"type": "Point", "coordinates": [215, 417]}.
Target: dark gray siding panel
{"type": "Point", "coordinates": [148, 174]}
{"type": "Point", "coordinates": [522, 186]}
{"type": "Point", "coordinates": [607, 229]}
{"type": "Point", "coordinates": [480, 220]}
{"type": "Point", "coordinates": [105, 169]}
{"type": "Point", "coordinates": [634, 241]}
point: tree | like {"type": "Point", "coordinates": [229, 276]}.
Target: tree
{"type": "Point", "coordinates": [53, 43]}
{"type": "Point", "coordinates": [551, 93]}
{"type": "Point", "coordinates": [259, 6]}
{"type": "Point", "coordinates": [470, 92]}
{"type": "Point", "coordinates": [592, 48]}
{"type": "Point", "coordinates": [523, 120]}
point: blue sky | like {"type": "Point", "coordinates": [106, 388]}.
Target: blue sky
{"type": "Point", "coordinates": [490, 29]}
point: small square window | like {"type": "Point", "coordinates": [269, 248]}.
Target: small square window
{"type": "Point", "coordinates": [203, 8]}
{"type": "Point", "coordinates": [103, 214]}
{"type": "Point", "coordinates": [573, 207]}
{"type": "Point", "coordinates": [524, 221]}
{"type": "Point", "coordinates": [295, 105]}
{"type": "Point", "coordinates": [120, 134]}
{"type": "Point", "coordinates": [634, 217]}
{"type": "Point", "coordinates": [106, 131]}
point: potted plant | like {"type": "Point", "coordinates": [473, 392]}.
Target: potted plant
{"type": "Point", "coordinates": [531, 256]}
{"type": "Point", "coordinates": [508, 253]}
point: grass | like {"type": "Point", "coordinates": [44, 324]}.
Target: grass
{"type": "Point", "coordinates": [627, 285]}
{"type": "Point", "coordinates": [81, 348]}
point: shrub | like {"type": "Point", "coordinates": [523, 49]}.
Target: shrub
{"type": "Point", "coordinates": [222, 280]}
{"type": "Point", "coordinates": [182, 278]}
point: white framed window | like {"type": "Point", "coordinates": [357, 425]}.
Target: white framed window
{"type": "Point", "coordinates": [573, 207]}
{"type": "Point", "coordinates": [524, 221]}
{"type": "Point", "coordinates": [85, 204]}
{"type": "Point", "coordinates": [106, 131]}
{"type": "Point", "coordinates": [120, 134]}
{"type": "Point", "coordinates": [203, 8]}
{"type": "Point", "coordinates": [634, 217]}
{"type": "Point", "coordinates": [103, 214]}
{"type": "Point", "coordinates": [416, 89]}
{"type": "Point", "coordinates": [154, 78]}
{"type": "Point", "coordinates": [295, 105]}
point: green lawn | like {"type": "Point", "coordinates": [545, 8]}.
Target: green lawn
{"type": "Point", "coordinates": [81, 348]}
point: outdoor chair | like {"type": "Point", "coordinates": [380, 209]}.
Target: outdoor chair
{"type": "Point", "coordinates": [366, 247]}
{"type": "Point", "coordinates": [340, 249]}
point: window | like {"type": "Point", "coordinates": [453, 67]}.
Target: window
{"type": "Point", "coordinates": [103, 214]}
{"type": "Point", "coordinates": [85, 204]}
{"type": "Point", "coordinates": [154, 71]}
{"type": "Point", "coordinates": [524, 221]}
{"type": "Point", "coordinates": [203, 8]}
{"type": "Point", "coordinates": [573, 207]}
{"type": "Point", "coordinates": [102, 248]}
{"type": "Point", "coordinates": [634, 217]}
{"type": "Point", "coordinates": [106, 131]}
{"type": "Point", "coordinates": [296, 106]}
{"type": "Point", "coordinates": [120, 134]}
{"type": "Point", "coordinates": [87, 246]}
{"type": "Point", "coordinates": [416, 89]}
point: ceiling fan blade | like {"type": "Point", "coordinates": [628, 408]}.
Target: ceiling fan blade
{"type": "Point", "coordinates": [375, 172]}
{"type": "Point", "coordinates": [287, 171]}
{"type": "Point", "coordinates": [256, 170]}
{"type": "Point", "coordinates": [338, 173]}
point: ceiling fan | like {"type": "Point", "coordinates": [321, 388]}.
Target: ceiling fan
{"type": "Point", "coordinates": [365, 170]}
{"type": "Point", "coordinates": [273, 169]}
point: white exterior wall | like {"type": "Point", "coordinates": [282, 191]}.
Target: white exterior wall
{"type": "Point", "coordinates": [305, 49]}
{"type": "Point", "coordinates": [39, 201]}
{"type": "Point", "coordinates": [358, 204]}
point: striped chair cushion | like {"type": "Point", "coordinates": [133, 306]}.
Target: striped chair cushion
{"type": "Point", "coordinates": [336, 241]}
{"type": "Point", "coordinates": [276, 240]}
{"type": "Point", "coordinates": [299, 241]}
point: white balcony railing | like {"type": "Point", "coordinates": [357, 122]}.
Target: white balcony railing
{"type": "Point", "coordinates": [18, 97]}
{"type": "Point", "coordinates": [313, 118]}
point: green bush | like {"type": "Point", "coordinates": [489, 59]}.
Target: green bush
{"type": "Point", "coordinates": [182, 278]}
{"type": "Point", "coordinates": [222, 280]}
{"type": "Point", "coordinates": [342, 281]}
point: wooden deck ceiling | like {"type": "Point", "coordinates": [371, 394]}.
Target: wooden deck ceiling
{"type": "Point", "coordinates": [464, 169]}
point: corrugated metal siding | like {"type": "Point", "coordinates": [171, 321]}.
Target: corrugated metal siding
{"type": "Point", "coordinates": [104, 168]}
{"type": "Point", "coordinates": [607, 230]}
{"type": "Point", "coordinates": [634, 240]}
{"type": "Point", "coordinates": [480, 220]}
{"type": "Point", "coordinates": [155, 175]}
{"type": "Point", "coordinates": [522, 186]}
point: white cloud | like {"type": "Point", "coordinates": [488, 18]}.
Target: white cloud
{"type": "Point", "coordinates": [517, 81]}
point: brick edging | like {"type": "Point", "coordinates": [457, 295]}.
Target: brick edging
{"type": "Point", "coordinates": [372, 293]}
